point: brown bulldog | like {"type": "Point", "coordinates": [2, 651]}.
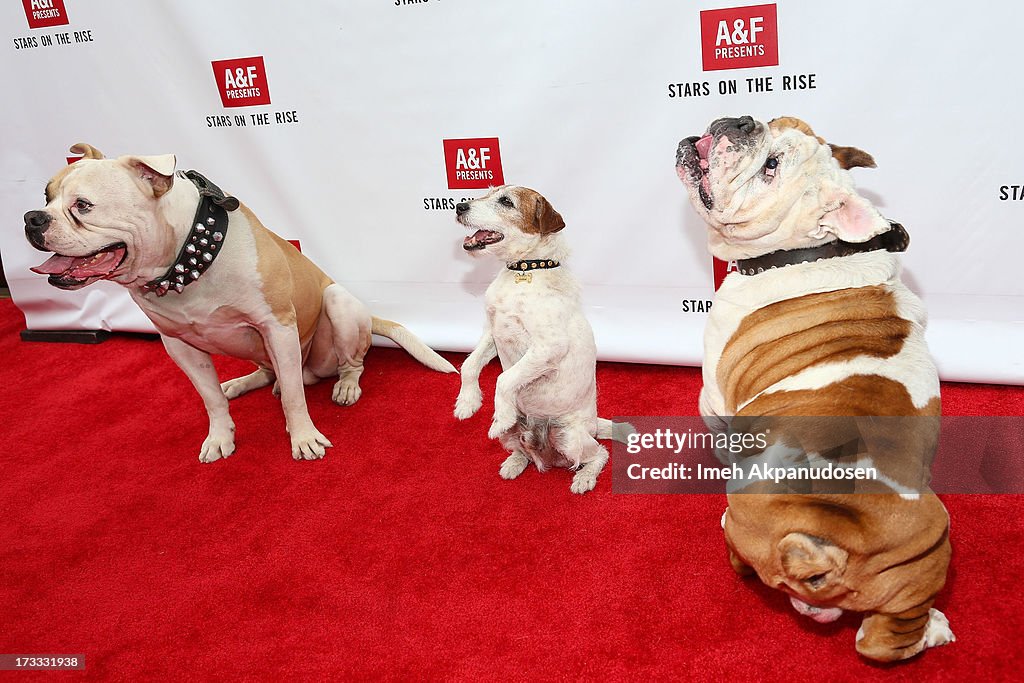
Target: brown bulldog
{"type": "Point", "coordinates": [817, 323]}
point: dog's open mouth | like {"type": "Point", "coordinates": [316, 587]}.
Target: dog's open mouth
{"type": "Point", "coordinates": [695, 160]}
{"type": "Point", "coordinates": [481, 238]}
{"type": "Point", "coordinates": [73, 272]}
{"type": "Point", "coordinates": [703, 147]}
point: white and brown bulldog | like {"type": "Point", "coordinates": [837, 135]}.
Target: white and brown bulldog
{"type": "Point", "coordinates": [212, 279]}
{"type": "Point", "coordinates": [545, 401]}
{"type": "Point", "coordinates": [817, 323]}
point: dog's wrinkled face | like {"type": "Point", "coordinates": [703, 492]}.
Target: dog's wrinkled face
{"type": "Point", "coordinates": [763, 187]}
{"type": "Point", "coordinates": [509, 222]}
{"type": "Point", "coordinates": [811, 568]}
{"type": "Point", "coordinates": [100, 216]}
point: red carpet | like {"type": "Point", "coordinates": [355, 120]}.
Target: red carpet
{"type": "Point", "coordinates": [403, 554]}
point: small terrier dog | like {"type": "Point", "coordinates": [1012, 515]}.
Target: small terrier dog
{"type": "Point", "coordinates": [545, 402]}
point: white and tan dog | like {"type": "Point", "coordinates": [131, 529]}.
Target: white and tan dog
{"type": "Point", "coordinates": [223, 285]}
{"type": "Point", "coordinates": [817, 323]}
{"type": "Point", "coordinates": [545, 402]}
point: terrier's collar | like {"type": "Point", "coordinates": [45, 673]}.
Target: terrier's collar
{"type": "Point", "coordinates": [524, 268]}
{"type": "Point", "coordinates": [532, 264]}
{"type": "Point", "coordinates": [209, 228]}
{"type": "Point", "coordinates": [896, 239]}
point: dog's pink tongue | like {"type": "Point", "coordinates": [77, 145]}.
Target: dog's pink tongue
{"type": "Point", "coordinates": [822, 615]}
{"type": "Point", "coordinates": [55, 265]}
{"type": "Point", "coordinates": [703, 146]}
{"type": "Point", "coordinates": [81, 266]}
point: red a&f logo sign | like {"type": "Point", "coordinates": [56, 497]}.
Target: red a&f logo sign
{"type": "Point", "coordinates": [473, 163]}
{"type": "Point", "coordinates": [721, 269]}
{"type": "Point", "coordinates": [739, 37]}
{"type": "Point", "coordinates": [43, 13]}
{"type": "Point", "coordinates": [242, 82]}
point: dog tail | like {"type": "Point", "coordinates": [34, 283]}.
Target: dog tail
{"type": "Point", "coordinates": [616, 431]}
{"type": "Point", "coordinates": [411, 343]}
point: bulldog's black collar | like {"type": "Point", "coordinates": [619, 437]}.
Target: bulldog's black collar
{"type": "Point", "coordinates": [209, 228]}
{"type": "Point", "coordinates": [532, 264]}
{"type": "Point", "coordinates": [896, 239]}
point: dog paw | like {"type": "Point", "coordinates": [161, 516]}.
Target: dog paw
{"type": "Point", "coordinates": [468, 403]}
{"type": "Point", "coordinates": [233, 388]}
{"type": "Point", "coordinates": [621, 431]}
{"type": "Point", "coordinates": [218, 445]}
{"type": "Point", "coordinates": [501, 423]}
{"type": "Point", "coordinates": [346, 392]}
{"type": "Point", "coordinates": [937, 632]}
{"type": "Point", "coordinates": [309, 444]}
{"type": "Point", "coordinates": [505, 416]}
{"type": "Point", "coordinates": [583, 481]}
{"type": "Point", "coordinates": [513, 465]}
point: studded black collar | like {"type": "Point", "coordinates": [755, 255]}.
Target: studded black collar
{"type": "Point", "coordinates": [532, 264]}
{"type": "Point", "coordinates": [209, 228]}
{"type": "Point", "coordinates": [896, 239]}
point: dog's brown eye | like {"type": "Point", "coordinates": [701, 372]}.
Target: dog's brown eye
{"type": "Point", "coordinates": [83, 205]}
{"type": "Point", "coordinates": [505, 201]}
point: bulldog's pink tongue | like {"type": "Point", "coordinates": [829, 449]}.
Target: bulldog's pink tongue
{"type": "Point", "coordinates": [703, 146]}
{"type": "Point", "coordinates": [822, 615]}
{"type": "Point", "coordinates": [55, 265]}
{"type": "Point", "coordinates": [81, 266]}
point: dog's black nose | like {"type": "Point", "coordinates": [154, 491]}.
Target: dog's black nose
{"type": "Point", "coordinates": [36, 223]}
{"type": "Point", "coordinates": [744, 125]}
{"type": "Point", "coordinates": [461, 208]}
{"type": "Point", "coordinates": [37, 220]}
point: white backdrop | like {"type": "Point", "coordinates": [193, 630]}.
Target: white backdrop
{"type": "Point", "coordinates": [579, 97]}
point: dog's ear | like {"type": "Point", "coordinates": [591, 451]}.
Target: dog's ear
{"type": "Point", "coordinates": [848, 157]}
{"type": "Point", "coordinates": [545, 218]}
{"type": "Point", "coordinates": [86, 150]}
{"type": "Point", "coordinates": [851, 157]}
{"type": "Point", "coordinates": [157, 172]}
{"type": "Point", "coordinates": [814, 561]}
{"type": "Point", "coordinates": [848, 216]}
